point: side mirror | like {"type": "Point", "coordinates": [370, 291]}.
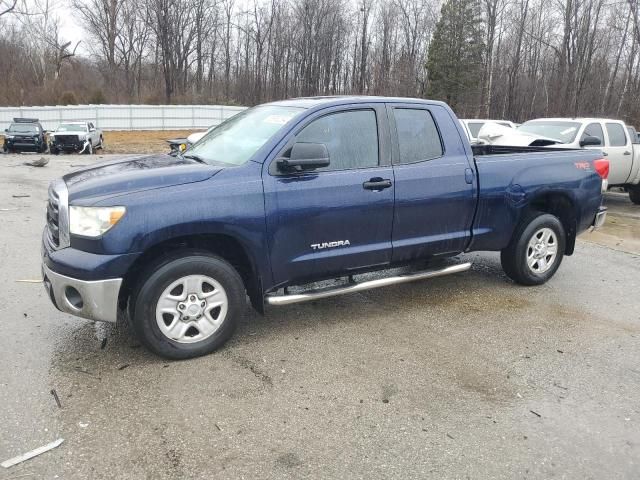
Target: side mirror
{"type": "Point", "coordinates": [305, 156]}
{"type": "Point", "coordinates": [590, 141]}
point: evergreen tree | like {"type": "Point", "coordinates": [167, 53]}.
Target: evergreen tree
{"type": "Point", "coordinates": [454, 64]}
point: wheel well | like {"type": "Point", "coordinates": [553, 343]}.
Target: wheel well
{"type": "Point", "coordinates": [563, 208]}
{"type": "Point", "coordinates": [223, 246]}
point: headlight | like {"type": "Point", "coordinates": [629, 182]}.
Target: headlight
{"type": "Point", "coordinates": [8, 137]}
{"type": "Point", "coordinates": [93, 221]}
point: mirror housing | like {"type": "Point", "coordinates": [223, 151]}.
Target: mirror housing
{"type": "Point", "coordinates": [305, 156]}
{"type": "Point", "coordinates": [590, 141]}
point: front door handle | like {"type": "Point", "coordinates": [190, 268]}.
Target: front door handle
{"type": "Point", "coordinates": [604, 154]}
{"type": "Point", "coordinates": [627, 153]}
{"type": "Point", "coordinates": [377, 183]}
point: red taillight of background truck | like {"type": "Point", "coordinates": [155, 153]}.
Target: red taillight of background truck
{"type": "Point", "coordinates": [602, 167]}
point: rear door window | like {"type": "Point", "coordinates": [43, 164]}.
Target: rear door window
{"type": "Point", "coordinates": [617, 138]}
{"type": "Point", "coordinates": [418, 137]}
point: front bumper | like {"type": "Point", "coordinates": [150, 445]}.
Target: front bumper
{"type": "Point", "coordinates": [22, 145]}
{"type": "Point", "coordinates": [73, 146]}
{"type": "Point", "coordinates": [95, 300]}
{"type": "Point", "coordinates": [599, 219]}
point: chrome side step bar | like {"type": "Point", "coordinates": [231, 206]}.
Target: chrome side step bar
{"type": "Point", "coordinates": [273, 299]}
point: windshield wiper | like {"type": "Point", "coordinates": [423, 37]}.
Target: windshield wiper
{"type": "Point", "coordinates": [195, 157]}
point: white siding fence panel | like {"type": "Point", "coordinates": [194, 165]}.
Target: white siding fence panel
{"type": "Point", "coordinates": [125, 117]}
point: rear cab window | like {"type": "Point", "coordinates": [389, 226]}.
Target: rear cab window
{"type": "Point", "coordinates": [474, 128]}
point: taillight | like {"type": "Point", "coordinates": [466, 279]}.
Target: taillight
{"type": "Point", "coordinates": [602, 167]}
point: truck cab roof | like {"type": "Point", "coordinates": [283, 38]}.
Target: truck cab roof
{"type": "Point", "coordinates": [335, 100]}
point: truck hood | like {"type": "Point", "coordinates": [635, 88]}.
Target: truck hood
{"type": "Point", "coordinates": [128, 175]}
{"type": "Point", "coordinates": [77, 134]}
{"type": "Point", "coordinates": [496, 134]}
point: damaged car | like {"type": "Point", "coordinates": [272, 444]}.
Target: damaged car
{"type": "Point", "coordinates": [80, 137]}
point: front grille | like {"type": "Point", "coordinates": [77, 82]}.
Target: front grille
{"type": "Point", "coordinates": [66, 139]}
{"type": "Point", "coordinates": [58, 215]}
{"type": "Point", "coordinates": [53, 217]}
{"type": "Point", "coordinates": [25, 140]}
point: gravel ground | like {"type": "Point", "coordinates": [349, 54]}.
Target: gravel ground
{"type": "Point", "coordinates": [466, 376]}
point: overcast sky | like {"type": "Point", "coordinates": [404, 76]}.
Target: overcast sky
{"type": "Point", "coordinates": [71, 29]}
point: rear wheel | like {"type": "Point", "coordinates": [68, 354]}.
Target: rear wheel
{"type": "Point", "coordinates": [100, 143]}
{"type": "Point", "coordinates": [188, 306]}
{"type": "Point", "coordinates": [634, 194]}
{"type": "Point", "coordinates": [536, 250]}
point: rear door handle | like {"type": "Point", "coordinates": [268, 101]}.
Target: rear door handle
{"type": "Point", "coordinates": [377, 183]}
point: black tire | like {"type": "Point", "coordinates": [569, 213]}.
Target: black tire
{"type": "Point", "coordinates": [634, 194]}
{"type": "Point", "coordinates": [101, 144]}
{"type": "Point", "coordinates": [514, 257]}
{"type": "Point", "coordinates": [54, 150]}
{"type": "Point", "coordinates": [159, 277]}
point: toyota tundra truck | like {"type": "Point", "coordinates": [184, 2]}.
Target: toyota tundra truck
{"type": "Point", "coordinates": [300, 200]}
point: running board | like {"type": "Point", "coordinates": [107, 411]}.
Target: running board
{"type": "Point", "coordinates": [273, 299]}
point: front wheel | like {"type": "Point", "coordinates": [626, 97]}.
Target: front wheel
{"type": "Point", "coordinates": [188, 306]}
{"type": "Point", "coordinates": [634, 194]}
{"type": "Point", "coordinates": [536, 249]}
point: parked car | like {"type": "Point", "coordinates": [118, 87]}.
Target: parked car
{"type": "Point", "coordinates": [25, 135]}
{"type": "Point", "coordinates": [613, 137]}
{"type": "Point", "coordinates": [292, 192]}
{"type": "Point", "coordinates": [181, 144]}
{"type": "Point", "coordinates": [81, 137]}
{"type": "Point", "coordinates": [472, 126]}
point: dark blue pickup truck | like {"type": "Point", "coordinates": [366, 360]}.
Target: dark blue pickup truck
{"type": "Point", "coordinates": [294, 192]}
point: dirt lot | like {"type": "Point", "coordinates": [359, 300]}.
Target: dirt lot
{"type": "Point", "coordinates": [466, 376]}
{"type": "Point", "coordinates": [148, 141]}
{"type": "Point", "coordinates": [140, 141]}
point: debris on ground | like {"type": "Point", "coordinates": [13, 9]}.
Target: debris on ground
{"type": "Point", "coordinates": [103, 343]}
{"type": "Point", "coordinates": [33, 453]}
{"type": "Point", "coordinates": [8, 209]}
{"type": "Point", "coordinates": [536, 414]}
{"type": "Point", "coordinates": [30, 280]}
{"type": "Point", "coordinates": [41, 162]}
{"type": "Point", "coordinates": [122, 367]}
{"type": "Point", "coordinates": [55, 397]}
{"type": "Point", "coordinates": [21, 196]}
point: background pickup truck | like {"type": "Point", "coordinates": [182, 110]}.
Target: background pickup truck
{"type": "Point", "coordinates": [81, 137]}
{"type": "Point", "coordinates": [618, 143]}
{"type": "Point", "coordinates": [300, 191]}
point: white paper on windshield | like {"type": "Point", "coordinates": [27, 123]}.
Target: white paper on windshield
{"type": "Point", "coordinates": [278, 119]}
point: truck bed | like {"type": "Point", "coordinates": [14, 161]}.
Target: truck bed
{"type": "Point", "coordinates": [479, 150]}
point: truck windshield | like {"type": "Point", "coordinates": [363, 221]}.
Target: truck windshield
{"type": "Point", "coordinates": [23, 128]}
{"type": "Point", "coordinates": [71, 127]}
{"type": "Point", "coordinates": [564, 132]}
{"type": "Point", "coordinates": [234, 141]}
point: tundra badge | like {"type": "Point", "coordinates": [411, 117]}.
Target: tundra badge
{"type": "Point", "coordinates": [339, 243]}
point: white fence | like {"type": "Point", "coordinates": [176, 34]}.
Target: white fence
{"type": "Point", "coordinates": [125, 117]}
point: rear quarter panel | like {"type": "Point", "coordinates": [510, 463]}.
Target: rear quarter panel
{"type": "Point", "coordinates": [509, 183]}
